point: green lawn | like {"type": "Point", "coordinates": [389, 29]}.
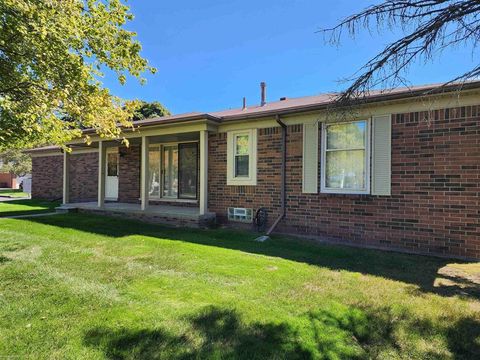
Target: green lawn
{"type": "Point", "coordinates": [27, 206]}
{"type": "Point", "coordinates": [14, 193]}
{"type": "Point", "coordinates": [89, 287]}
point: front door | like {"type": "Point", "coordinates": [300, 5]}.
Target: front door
{"type": "Point", "coordinates": [111, 180]}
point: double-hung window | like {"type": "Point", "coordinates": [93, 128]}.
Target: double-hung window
{"type": "Point", "coordinates": [241, 157]}
{"type": "Point", "coordinates": [346, 157]}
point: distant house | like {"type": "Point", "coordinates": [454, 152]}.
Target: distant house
{"type": "Point", "coordinates": [8, 180]}
{"type": "Point", "coordinates": [401, 171]}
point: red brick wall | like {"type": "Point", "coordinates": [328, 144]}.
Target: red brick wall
{"type": "Point", "coordinates": [265, 194]}
{"type": "Point", "coordinates": [434, 206]}
{"type": "Point", "coordinates": [83, 172]}
{"type": "Point", "coordinates": [47, 177]}
{"type": "Point", "coordinates": [129, 174]}
{"type": "Point", "coordinates": [435, 202]}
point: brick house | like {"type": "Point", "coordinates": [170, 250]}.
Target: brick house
{"type": "Point", "coordinates": [401, 171]}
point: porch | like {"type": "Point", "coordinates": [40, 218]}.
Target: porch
{"type": "Point", "coordinates": [162, 214]}
{"type": "Point", "coordinates": [161, 177]}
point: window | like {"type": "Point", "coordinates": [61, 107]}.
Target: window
{"type": "Point", "coordinates": [345, 158]}
{"type": "Point", "coordinates": [112, 164]}
{"type": "Point", "coordinates": [170, 171]}
{"type": "Point", "coordinates": [187, 170]}
{"type": "Point", "coordinates": [173, 171]}
{"type": "Point", "coordinates": [154, 172]}
{"type": "Point", "coordinates": [241, 157]}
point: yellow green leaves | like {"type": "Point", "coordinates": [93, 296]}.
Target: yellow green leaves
{"type": "Point", "coordinates": [51, 56]}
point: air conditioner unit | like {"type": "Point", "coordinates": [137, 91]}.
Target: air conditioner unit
{"type": "Point", "coordinates": [240, 214]}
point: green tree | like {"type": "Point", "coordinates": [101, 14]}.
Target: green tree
{"type": "Point", "coordinates": [52, 54]}
{"type": "Point", "coordinates": [16, 162]}
{"type": "Point", "coordinates": [148, 110]}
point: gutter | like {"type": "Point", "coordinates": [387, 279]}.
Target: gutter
{"type": "Point", "coordinates": [161, 121]}
{"type": "Point", "coordinates": [283, 176]}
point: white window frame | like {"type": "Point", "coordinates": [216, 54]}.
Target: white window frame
{"type": "Point", "coordinates": [323, 187]}
{"type": "Point", "coordinates": [160, 148]}
{"type": "Point", "coordinates": [251, 179]}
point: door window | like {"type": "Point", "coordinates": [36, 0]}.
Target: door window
{"type": "Point", "coordinates": [112, 164]}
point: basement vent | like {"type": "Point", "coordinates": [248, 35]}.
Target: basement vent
{"type": "Point", "coordinates": [240, 214]}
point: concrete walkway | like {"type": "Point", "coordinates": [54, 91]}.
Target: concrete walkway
{"type": "Point", "coordinates": [7, 198]}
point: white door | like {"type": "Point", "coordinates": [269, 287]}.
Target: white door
{"type": "Point", "coordinates": [111, 181]}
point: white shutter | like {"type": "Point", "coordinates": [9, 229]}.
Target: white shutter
{"type": "Point", "coordinates": [310, 158]}
{"type": "Point", "coordinates": [381, 155]}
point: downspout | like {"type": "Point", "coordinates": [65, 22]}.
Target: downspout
{"type": "Point", "coordinates": [283, 175]}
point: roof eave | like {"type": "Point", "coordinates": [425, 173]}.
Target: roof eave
{"type": "Point", "coordinates": [371, 99]}
{"type": "Point", "coordinates": [161, 121]}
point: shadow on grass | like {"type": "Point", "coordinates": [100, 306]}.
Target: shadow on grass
{"type": "Point", "coordinates": [217, 333]}
{"type": "Point", "coordinates": [4, 259]}
{"type": "Point", "coordinates": [421, 271]}
{"type": "Point", "coordinates": [337, 333]}
{"type": "Point", "coordinates": [22, 207]}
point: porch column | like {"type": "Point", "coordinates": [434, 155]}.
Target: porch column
{"type": "Point", "coordinates": [102, 157]}
{"type": "Point", "coordinates": [66, 177]}
{"type": "Point", "coordinates": [144, 188]}
{"type": "Point", "coordinates": [203, 199]}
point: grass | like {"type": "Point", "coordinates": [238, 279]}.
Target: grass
{"type": "Point", "coordinates": [13, 193]}
{"type": "Point", "coordinates": [75, 286]}
{"type": "Point", "coordinates": [26, 206]}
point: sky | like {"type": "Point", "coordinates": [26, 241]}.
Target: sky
{"type": "Point", "coordinates": [211, 53]}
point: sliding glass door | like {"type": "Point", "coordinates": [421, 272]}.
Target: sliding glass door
{"type": "Point", "coordinates": [188, 170]}
{"type": "Point", "coordinates": [154, 172]}
{"type": "Point", "coordinates": [173, 171]}
{"type": "Point", "coordinates": [170, 171]}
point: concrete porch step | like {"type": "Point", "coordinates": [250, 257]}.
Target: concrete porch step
{"type": "Point", "coordinates": [65, 209]}
{"type": "Point", "coordinates": [159, 214]}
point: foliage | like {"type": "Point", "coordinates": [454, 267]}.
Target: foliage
{"type": "Point", "coordinates": [52, 54]}
{"type": "Point", "coordinates": [148, 110]}
{"type": "Point", "coordinates": [16, 162]}
{"type": "Point", "coordinates": [107, 288]}
{"type": "Point", "coordinates": [429, 27]}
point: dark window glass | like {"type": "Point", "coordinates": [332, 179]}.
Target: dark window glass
{"type": "Point", "coordinates": [112, 164]}
{"type": "Point", "coordinates": [170, 171]}
{"type": "Point", "coordinates": [241, 165]}
{"type": "Point", "coordinates": [188, 170]}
